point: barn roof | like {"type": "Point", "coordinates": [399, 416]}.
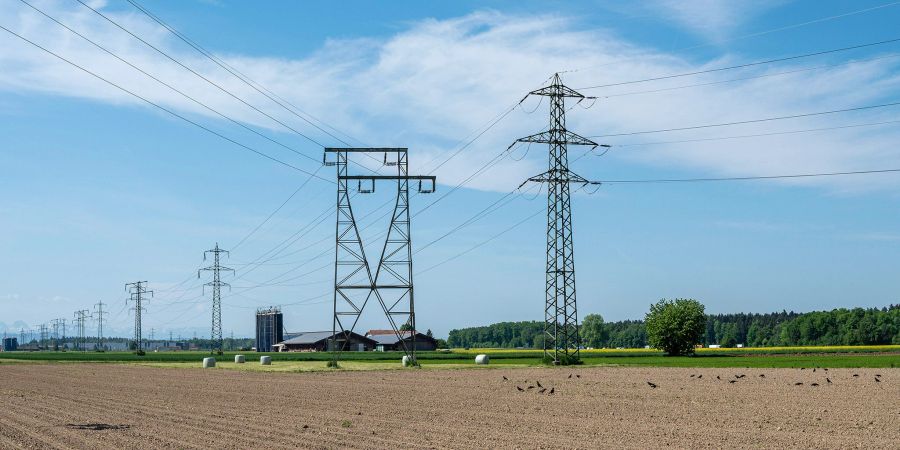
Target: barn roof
{"type": "Point", "coordinates": [390, 339]}
{"type": "Point", "coordinates": [311, 337]}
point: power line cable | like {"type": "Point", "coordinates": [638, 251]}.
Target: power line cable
{"type": "Point", "coordinates": [767, 119]}
{"type": "Point", "coordinates": [761, 177]}
{"type": "Point", "coordinates": [160, 107]}
{"type": "Point", "coordinates": [740, 66]}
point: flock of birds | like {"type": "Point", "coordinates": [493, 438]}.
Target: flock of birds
{"type": "Point", "coordinates": [762, 375]}
{"type": "Point", "coordinates": [537, 385]}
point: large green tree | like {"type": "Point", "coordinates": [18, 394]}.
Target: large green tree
{"type": "Point", "coordinates": [593, 333]}
{"type": "Point", "coordinates": [676, 326]}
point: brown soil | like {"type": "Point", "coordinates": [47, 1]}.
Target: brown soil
{"type": "Point", "coordinates": [99, 406]}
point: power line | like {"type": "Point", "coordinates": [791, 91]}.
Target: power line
{"type": "Point", "coordinates": [740, 66]}
{"type": "Point", "coordinates": [162, 108]}
{"type": "Point", "coordinates": [762, 177]}
{"type": "Point", "coordinates": [754, 34]}
{"type": "Point", "coordinates": [767, 119]}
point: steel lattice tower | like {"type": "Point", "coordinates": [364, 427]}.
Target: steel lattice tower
{"type": "Point", "coordinates": [99, 313]}
{"type": "Point", "coordinates": [561, 340]}
{"type": "Point", "coordinates": [138, 290]}
{"type": "Point", "coordinates": [216, 284]}
{"type": "Point", "coordinates": [392, 282]}
{"type": "Point", "coordinates": [80, 317]}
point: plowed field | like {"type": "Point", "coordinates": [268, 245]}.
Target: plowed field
{"type": "Point", "coordinates": [99, 406]}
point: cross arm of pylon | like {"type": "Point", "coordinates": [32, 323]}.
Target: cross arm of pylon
{"type": "Point", "coordinates": [559, 91]}
{"type": "Point", "coordinates": [547, 137]}
{"type": "Point", "coordinates": [554, 176]}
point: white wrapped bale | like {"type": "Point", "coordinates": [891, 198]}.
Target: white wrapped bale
{"type": "Point", "coordinates": [239, 359]}
{"type": "Point", "coordinates": [209, 363]}
{"type": "Point", "coordinates": [407, 361]}
{"type": "Point", "coordinates": [265, 360]}
{"type": "Point", "coordinates": [482, 359]}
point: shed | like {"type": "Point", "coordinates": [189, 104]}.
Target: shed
{"type": "Point", "coordinates": [390, 342]}
{"type": "Point", "coordinates": [320, 341]}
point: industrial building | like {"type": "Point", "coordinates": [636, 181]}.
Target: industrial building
{"type": "Point", "coordinates": [320, 341]}
{"type": "Point", "coordinates": [269, 329]}
{"type": "Point", "coordinates": [387, 341]}
{"type": "Point", "coordinates": [10, 344]}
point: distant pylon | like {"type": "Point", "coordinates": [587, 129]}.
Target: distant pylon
{"type": "Point", "coordinates": [98, 314]}
{"type": "Point", "coordinates": [561, 340]}
{"type": "Point", "coordinates": [137, 291]}
{"type": "Point", "coordinates": [80, 317]}
{"type": "Point", "coordinates": [216, 283]}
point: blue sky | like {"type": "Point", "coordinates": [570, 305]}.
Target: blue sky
{"type": "Point", "coordinates": [100, 189]}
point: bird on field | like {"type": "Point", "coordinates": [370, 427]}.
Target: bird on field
{"type": "Point", "coordinates": [803, 368]}
{"type": "Point", "coordinates": [740, 376]}
{"type": "Point", "coordinates": [577, 376]}
{"type": "Point", "coordinates": [718, 377]}
{"type": "Point", "coordinates": [814, 369]}
{"type": "Point", "coordinates": [825, 369]}
{"type": "Point", "coordinates": [542, 390]}
{"type": "Point", "coordinates": [570, 375]}
{"type": "Point", "coordinates": [877, 375]}
{"type": "Point", "coordinates": [732, 381]}
{"type": "Point", "coordinates": [530, 387]}
{"type": "Point", "coordinates": [828, 380]}
{"type": "Point", "coordinates": [699, 376]}
{"type": "Point", "coordinates": [505, 379]}
{"type": "Point", "coordinates": [762, 375]}
{"type": "Point", "coordinates": [552, 390]}
{"type": "Point", "coordinates": [651, 384]}
{"type": "Point", "coordinates": [798, 383]}
{"type": "Point", "coordinates": [520, 389]}
{"type": "Point", "coordinates": [855, 375]}
{"type": "Point", "coordinates": [692, 375]}
{"type": "Point", "coordinates": [814, 384]}
{"type": "Point", "coordinates": [538, 384]}
{"type": "Point", "coordinates": [877, 380]}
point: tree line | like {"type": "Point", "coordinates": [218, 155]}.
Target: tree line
{"type": "Point", "coordinates": [856, 326]}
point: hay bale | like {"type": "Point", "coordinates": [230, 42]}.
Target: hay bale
{"type": "Point", "coordinates": [209, 362]}
{"type": "Point", "coordinates": [482, 359]}
{"type": "Point", "coordinates": [239, 359]}
{"type": "Point", "coordinates": [407, 361]}
{"type": "Point", "coordinates": [265, 360]}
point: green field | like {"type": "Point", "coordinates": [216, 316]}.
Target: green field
{"type": "Point", "coordinates": [867, 356]}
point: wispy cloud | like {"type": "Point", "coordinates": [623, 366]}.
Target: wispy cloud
{"type": "Point", "coordinates": [712, 19]}
{"type": "Point", "coordinates": [438, 80]}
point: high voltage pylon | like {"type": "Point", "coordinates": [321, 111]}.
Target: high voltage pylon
{"type": "Point", "coordinates": [561, 340]}
{"type": "Point", "coordinates": [137, 291]}
{"type": "Point", "coordinates": [98, 314]}
{"type": "Point", "coordinates": [59, 332]}
{"type": "Point", "coordinates": [43, 341]}
{"type": "Point", "coordinates": [80, 317]}
{"type": "Point", "coordinates": [392, 282]}
{"type": "Point", "coordinates": [216, 283]}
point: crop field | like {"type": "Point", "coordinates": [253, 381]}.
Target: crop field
{"type": "Point", "coordinates": [100, 406]}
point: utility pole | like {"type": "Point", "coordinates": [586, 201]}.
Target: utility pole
{"type": "Point", "coordinates": [561, 340]}
{"type": "Point", "coordinates": [80, 317]}
{"type": "Point", "coordinates": [137, 291]}
{"type": "Point", "coordinates": [22, 336]}
{"type": "Point", "coordinates": [62, 327]}
{"type": "Point", "coordinates": [99, 313]}
{"type": "Point", "coordinates": [216, 284]}
{"type": "Point", "coordinates": [391, 283]}
{"type": "Point", "coordinates": [43, 341]}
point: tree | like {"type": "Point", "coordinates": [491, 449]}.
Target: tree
{"type": "Point", "coordinates": [593, 333]}
{"type": "Point", "coordinates": [676, 326]}
{"type": "Point", "coordinates": [428, 333]}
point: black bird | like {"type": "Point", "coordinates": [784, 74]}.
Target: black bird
{"type": "Point", "coordinates": [505, 379]}
{"type": "Point", "coordinates": [762, 375]}
{"type": "Point", "coordinates": [732, 381]}
{"type": "Point", "coordinates": [530, 387]}
{"type": "Point", "coordinates": [798, 383]}
{"type": "Point", "coordinates": [814, 369]}
{"type": "Point", "coordinates": [699, 376]}
{"type": "Point", "coordinates": [718, 377]}
{"type": "Point", "coordinates": [520, 389]}
{"type": "Point", "coordinates": [542, 390]}
{"type": "Point", "coordinates": [577, 376]}
{"type": "Point", "coordinates": [539, 384]}
{"type": "Point", "coordinates": [825, 369]}
{"type": "Point", "coordinates": [877, 380]}
{"type": "Point", "coordinates": [651, 384]}
{"type": "Point", "coordinates": [828, 380]}
{"type": "Point", "coordinates": [803, 368]}
{"type": "Point", "coordinates": [570, 375]}
{"type": "Point", "coordinates": [855, 375]}
{"type": "Point", "coordinates": [878, 375]}
{"type": "Point", "coordinates": [814, 384]}
{"type": "Point", "coordinates": [552, 390]}
{"type": "Point", "coordinates": [740, 376]}
{"type": "Point", "coordinates": [692, 375]}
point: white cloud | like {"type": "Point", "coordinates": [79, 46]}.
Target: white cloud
{"type": "Point", "coordinates": [430, 85]}
{"type": "Point", "coordinates": [714, 19]}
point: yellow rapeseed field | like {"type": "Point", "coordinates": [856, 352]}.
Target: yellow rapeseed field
{"type": "Point", "coordinates": [613, 351]}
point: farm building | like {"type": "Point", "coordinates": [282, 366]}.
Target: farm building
{"type": "Point", "coordinates": [387, 341]}
{"type": "Point", "coordinates": [320, 341]}
{"type": "Point", "coordinates": [10, 344]}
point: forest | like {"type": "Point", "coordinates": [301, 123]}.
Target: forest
{"type": "Point", "coordinates": [857, 326]}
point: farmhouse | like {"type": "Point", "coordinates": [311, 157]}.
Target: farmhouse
{"type": "Point", "coordinates": [386, 340]}
{"type": "Point", "coordinates": [320, 341]}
